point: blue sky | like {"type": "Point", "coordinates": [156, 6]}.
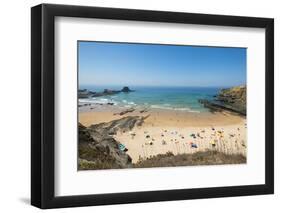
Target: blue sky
{"type": "Point", "coordinates": [105, 63]}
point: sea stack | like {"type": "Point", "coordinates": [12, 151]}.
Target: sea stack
{"type": "Point", "coordinates": [126, 89]}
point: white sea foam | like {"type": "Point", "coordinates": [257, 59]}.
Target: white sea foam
{"type": "Point", "coordinates": [132, 103]}
{"type": "Point", "coordinates": [97, 100]}
{"type": "Point", "coordinates": [129, 104]}
{"type": "Point", "coordinates": [167, 104]}
{"type": "Point", "coordinates": [173, 108]}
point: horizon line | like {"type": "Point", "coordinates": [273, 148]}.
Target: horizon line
{"type": "Point", "coordinates": [128, 85]}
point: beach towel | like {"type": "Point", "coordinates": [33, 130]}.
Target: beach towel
{"type": "Point", "coordinates": [121, 147]}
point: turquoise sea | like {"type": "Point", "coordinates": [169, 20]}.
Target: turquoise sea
{"type": "Point", "coordinates": [176, 98]}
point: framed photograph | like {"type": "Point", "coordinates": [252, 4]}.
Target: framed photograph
{"type": "Point", "coordinates": [139, 106]}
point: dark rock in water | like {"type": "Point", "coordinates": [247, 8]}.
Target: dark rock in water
{"type": "Point", "coordinates": [84, 93]}
{"type": "Point", "coordinates": [106, 92]}
{"type": "Point", "coordinates": [98, 149]}
{"type": "Point", "coordinates": [111, 92]}
{"type": "Point", "coordinates": [233, 99]}
{"type": "Point", "coordinates": [126, 89]}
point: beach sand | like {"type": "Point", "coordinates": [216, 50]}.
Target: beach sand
{"type": "Point", "coordinates": [173, 131]}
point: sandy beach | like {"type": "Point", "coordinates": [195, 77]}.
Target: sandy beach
{"type": "Point", "coordinates": [172, 130]}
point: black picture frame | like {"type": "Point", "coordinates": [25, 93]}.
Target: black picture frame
{"type": "Point", "coordinates": [43, 111]}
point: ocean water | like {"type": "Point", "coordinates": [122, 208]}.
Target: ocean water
{"type": "Point", "coordinates": [174, 98]}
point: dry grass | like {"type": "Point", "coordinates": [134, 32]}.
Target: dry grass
{"type": "Point", "coordinates": [198, 158]}
{"type": "Point", "coordinates": [90, 159]}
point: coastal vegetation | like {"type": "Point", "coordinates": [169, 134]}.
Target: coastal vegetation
{"type": "Point", "coordinates": [209, 157]}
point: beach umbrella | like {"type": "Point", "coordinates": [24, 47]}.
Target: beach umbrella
{"type": "Point", "coordinates": [213, 143]}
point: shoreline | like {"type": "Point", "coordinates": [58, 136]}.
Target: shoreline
{"type": "Point", "coordinates": [94, 114]}
{"type": "Point", "coordinates": [173, 131]}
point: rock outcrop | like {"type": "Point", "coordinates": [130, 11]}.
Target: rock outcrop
{"type": "Point", "coordinates": [126, 89]}
{"type": "Point", "coordinates": [106, 92]}
{"type": "Point", "coordinates": [98, 149]}
{"type": "Point", "coordinates": [232, 99]}
{"type": "Point", "coordinates": [84, 93]}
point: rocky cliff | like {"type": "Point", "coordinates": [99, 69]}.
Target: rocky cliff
{"type": "Point", "coordinates": [232, 99]}
{"type": "Point", "coordinates": [99, 150]}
